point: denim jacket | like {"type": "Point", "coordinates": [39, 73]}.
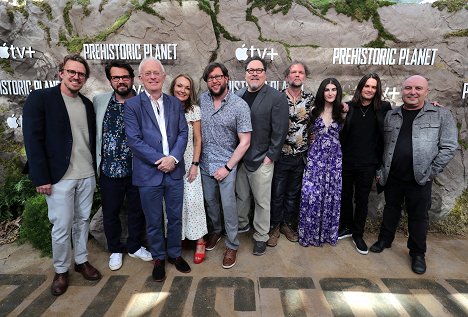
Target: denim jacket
{"type": "Point", "coordinates": [434, 139]}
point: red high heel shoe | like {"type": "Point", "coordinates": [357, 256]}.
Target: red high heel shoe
{"type": "Point", "coordinates": [199, 256]}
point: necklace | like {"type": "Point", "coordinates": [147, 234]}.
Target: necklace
{"type": "Point", "coordinates": [364, 112]}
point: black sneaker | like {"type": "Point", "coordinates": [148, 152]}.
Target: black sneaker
{"type": "Point", "coordinates": [259, 248]}
{"type": "Point", "coordinates": [159, 271]}
{"type": "Point", "coordinates": [361, 245]}
{"type": "Point", "coordinates": [180, 264]}
{"type": "Point", "coordinates": [246, 228]}
{"type": "Point", "coordinates": [344, 233]}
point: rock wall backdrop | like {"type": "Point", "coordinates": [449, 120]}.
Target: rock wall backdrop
{"type": "Point", "coordinates": [345, 40]}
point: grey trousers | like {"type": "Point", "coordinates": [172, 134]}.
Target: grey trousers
{"type": "Point", "coordinates": [223, 194]}
{"type": "Point", "coordinates": [259, 183]}
{"type": "Point", "coordinates": [69, 207]}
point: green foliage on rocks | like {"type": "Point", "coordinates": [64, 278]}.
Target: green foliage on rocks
{"type": "Point", "coordinates": [456, 222]}
{"type": "Point", "coordinates": [84, 4]}
{"type": "Point", "coordinates": [45, 7]}
{"type": "Point", "coordinates": [46, 30]}
{"type": "Point", "coordinates": [35, 225]}
{"type": "Point", "coordinates": [20, 7]}
{"type": "Point", "coordinates": [458, 33]}
{"type": "Point", "coordinates": [6, 66]}
{"type": "Point", "coordinates": [451, 5]}
{"type": "Point", "coordinates": [102, 4]}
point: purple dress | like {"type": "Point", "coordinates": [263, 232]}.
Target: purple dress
{"type": "Point", "coordinates": [319, 214]}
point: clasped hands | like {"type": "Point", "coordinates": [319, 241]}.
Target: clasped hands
{"type": "Point", "coordinates": [165, 164]}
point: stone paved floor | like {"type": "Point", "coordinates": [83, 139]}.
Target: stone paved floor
{"type": "Point", "coordinates": [288, 280]}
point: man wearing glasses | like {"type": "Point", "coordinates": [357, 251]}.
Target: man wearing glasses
{"type": "Point", "coordinates": [157, 135]}
{"type": "Point", "coordinates": [114, 163]}
{"type": "Point", "coordinates": [270, 120]}
{"type": "Point", "coordinates": [59, 137]}
{"type": "Point", "coordinates": [225, 121]}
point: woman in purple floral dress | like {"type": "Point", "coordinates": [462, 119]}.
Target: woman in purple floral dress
{"type": "Point", "coordinates": [319, 214]}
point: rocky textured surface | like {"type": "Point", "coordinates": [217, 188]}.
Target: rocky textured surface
{"type": "Point", "coordinates": [207, 30]}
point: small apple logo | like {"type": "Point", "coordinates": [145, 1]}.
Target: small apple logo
{"type": "Point", "coordinates": [241, 53]}
{"type": "Point", "coordinates": [4, 51]}
{"type": "Point", "coordinates": [12, 122]}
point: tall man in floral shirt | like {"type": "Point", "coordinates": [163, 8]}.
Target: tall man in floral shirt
{"type": "Point", "coordinates": [287, 176]}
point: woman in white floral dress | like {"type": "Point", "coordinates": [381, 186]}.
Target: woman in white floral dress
{"type": "Point", "coordinates": [193, 215]}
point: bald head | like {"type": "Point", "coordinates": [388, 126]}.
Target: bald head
{"type": "Point", "coordinates": [414, 91]}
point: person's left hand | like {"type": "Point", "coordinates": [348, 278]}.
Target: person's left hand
{"type": "Point", "coordinates": [267, 160]}
{"type": "Point", "coordinates": [192, 173]}
{"type": "Point", "coordinates": [344, 107]}
{"type": "Point", "coordinates": [166, 164]}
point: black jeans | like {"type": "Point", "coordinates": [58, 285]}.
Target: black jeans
{"type": "Point", "coordinates": [417, 199]}
{"type": "Point", "coordinates": [357, 184]}
{"type": "Point", "coordinates": [113, 193]}
{"type": "Point", "coordinates": [286, 189]}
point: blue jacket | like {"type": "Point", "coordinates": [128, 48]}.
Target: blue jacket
{"type": "Point", "coordinates": [434, 139]}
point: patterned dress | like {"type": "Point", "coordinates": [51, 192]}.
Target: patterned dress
{"type": "Point", "coordinates": [193, 214]}
{"type": "Point", "coordinates": [319, 214]}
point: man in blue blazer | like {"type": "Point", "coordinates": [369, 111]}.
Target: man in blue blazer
{"type": "Point", "coordinates": [157, 135]}
{"type": "Point", "coordinates": [59, 137]}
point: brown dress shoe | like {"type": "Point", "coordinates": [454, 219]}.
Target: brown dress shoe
{"type": "Point", "coordinates": [290, 234]}
{"type": "Point", "coordinates": [88, 271]}
{"type": "Point", "coordinates": [60, 284]}
{"type": "Point", "coordinates": [212, 241]}
{"type": "Point", "coordinates": [229, 258]}
{"type": "Point", "coordinates": [274, 236]}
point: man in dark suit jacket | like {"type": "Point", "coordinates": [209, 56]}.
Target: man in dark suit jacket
{"type": "Point", "coordinates": [59, 137]}
{"type": "Point", "coordinates": [269, 115]}
{"type": "Point", "coordinates": [157, 134]}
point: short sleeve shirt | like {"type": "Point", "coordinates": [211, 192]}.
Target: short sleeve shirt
{"type": "Point", "coordinates": [219, 129]}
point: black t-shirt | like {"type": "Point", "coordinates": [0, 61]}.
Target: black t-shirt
{"type": "Point", "coordinates": [249, 97]}
{"type": "Point", "coordinates": [402, 162]}
{"type": "Point", "coordinates": [359, 150]}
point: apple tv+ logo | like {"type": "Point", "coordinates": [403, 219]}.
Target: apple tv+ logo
{"type": "Point", "coordinates": [243, 53]}
{"type": "Point", "coordinates": [16, 52]}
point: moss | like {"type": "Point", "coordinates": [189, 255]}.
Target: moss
{"type": "Point", "coordinates": [102, 4]}
{"type": "Point", "coordinates": [20, 7]}
{"type": "Point", "coordinates": [45, 7]}
{"type": "Point", "coordinates": [450, 5]}
{"type": "Point", "coordinates": [11, 14]}
{"type": "Point", "coordinates": [102, 36]}
{"type": "Point", "coordinates": [458, 33]}
{"type": "Point", "coordinates": [66, 16]}
{"type": "Point", "coordinates": [84, 4]}
{"type": "Point", "coordinates": [46, 30]}
{"type": "Point", "coordinates": [456, 222]}
{"type": "Point", "coordinates": [6, 66]}
{"type": "Point", "coordinates": [463, 143]}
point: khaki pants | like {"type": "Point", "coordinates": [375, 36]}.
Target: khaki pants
{"type": "Point", "coordinates": [259, 183]}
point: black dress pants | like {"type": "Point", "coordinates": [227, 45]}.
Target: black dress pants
{"type": "Point", "coordinates": [286, 189]}
{"type": "Point", "coordinates": [113, 193]}
{"type": "Point", "coordinates": [357, 184]}
{"type": "Point", "coordinates": [417, 200]}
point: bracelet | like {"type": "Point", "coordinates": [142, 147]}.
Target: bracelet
{"type": "Point", "coordinates": [196, 163]}
{"type": "Point", "coordinates": [228, 169]}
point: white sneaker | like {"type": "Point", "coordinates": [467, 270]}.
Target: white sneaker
{"type": "Point", "coordinates": [115, 261]}
{"type": "Point", "coordinates": [143, 254]}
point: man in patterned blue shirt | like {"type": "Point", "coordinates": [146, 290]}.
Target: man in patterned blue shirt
{"type": "Point", "coordinates": [114, 162]}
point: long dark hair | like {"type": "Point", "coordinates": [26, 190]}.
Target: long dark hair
{"type": "Point", "coordinates": [376, 102]}
{"type": "Point", "coordinates": [319, 103]}
{"type": "Point", "coordinates": [192, 99]}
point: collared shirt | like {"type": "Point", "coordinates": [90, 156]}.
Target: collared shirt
{"type": "Point", "coordinates": [116, 155]}
{"type": "Point", "coordinates": [158, 108]}
{"type": "Point", "coordinates": [220, 128]}
{"type": "Point", "coordinates": [299, 113]}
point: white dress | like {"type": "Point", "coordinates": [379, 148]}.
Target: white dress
{"type": "Point", "coordinates": [193, 214]}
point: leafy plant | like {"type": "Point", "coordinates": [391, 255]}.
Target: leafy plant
{"type": "Point", "coordinates": [14, 193]}
{"type": "Point", "coordinates": [35, 226]}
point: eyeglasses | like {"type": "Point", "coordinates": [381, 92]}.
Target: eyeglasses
{"type": "Point", "coordinates": [217, 78]}
{"type": "Point", "coordinates": [117, 78]}
{"type": "Point", "coordinates": [155, 74]}
{"type": "Point", "coordinates": [257, 71]}
{"type": "Point", "coordinates": [73, 73]}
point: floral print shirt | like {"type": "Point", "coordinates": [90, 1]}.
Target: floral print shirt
{"type": "Point", "coordinates": [116, 155]}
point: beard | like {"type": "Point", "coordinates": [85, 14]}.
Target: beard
{"type": "Point", "coordinates": [123, 92]}
{"type": "Point", "coordinates": [222, 90]}
{"type": "Point", "coordinates": [294, 85]}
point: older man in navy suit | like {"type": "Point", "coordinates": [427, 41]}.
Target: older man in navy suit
{"type": "Point", "coordinates": [157, 134]}
{"type": "Point", "coordinates": [59, 137]}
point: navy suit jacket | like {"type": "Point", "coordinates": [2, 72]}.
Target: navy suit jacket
{"type": "Point", "coordinates": [48, 137]}
{"type": "Point", "coordinates": [270, 123]}
{"type": "Point", "coordinates": [145, 139]}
